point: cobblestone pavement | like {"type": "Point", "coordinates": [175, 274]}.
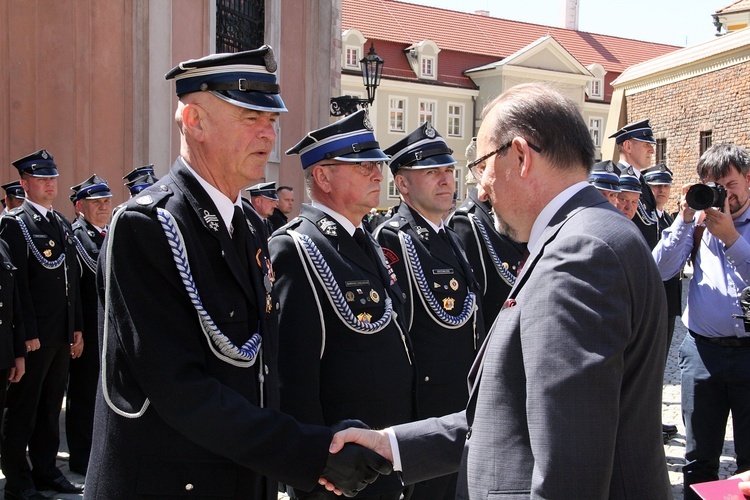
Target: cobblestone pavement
{"type": "Point", "coordinates": [671, 414]}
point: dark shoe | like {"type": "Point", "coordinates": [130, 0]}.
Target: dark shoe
{"type": "Point", "coordinates": [669, 429]}
{"type": "Point", "coordinates": [30, 494]}
{"type": "Point", "coordinates": [60, 485]}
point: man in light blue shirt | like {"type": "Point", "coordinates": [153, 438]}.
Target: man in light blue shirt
{"type": "Point", "coordinates": [715, 357]}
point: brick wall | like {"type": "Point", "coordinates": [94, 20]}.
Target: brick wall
{"type": "Point", "coordinates": [718, 101]}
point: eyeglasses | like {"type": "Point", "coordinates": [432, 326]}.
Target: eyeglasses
{"type": "Point", "coordinates": [365, 167]}
{"type": "Point", "coordinates": [476, 170]}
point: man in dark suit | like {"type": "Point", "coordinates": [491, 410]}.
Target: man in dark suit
{"type": "Point", "coordinates": [41, 247]}
{"type": "Point", "coordinates": [443, 312]}
{"type": "Point", "coordinates": [494, 258]}
{"type": "Point", "coordinates": [188, 403]}
{"type": "Point", "coordinates": [264, 200]}
{"type": "Point", "coordinates": [280, 214]}
{"type": "Point", "coordinates": [92, 201]}
{"type": "Point", "coordinates": [566, 390]}
{"type": "Point", "coordinates": [344, 351]}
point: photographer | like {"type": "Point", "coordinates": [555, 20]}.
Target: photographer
{"type": "Point", "coordinates": [715, 357]}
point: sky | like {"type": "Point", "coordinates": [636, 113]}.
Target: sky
{"type": "Point", "coordinates": [674, 22]}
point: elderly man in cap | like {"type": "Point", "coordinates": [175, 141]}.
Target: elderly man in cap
{"type": "Point", "coordinates": [264, 200]}
{"type": "Point", "coordinates": [92, 201]}
{"type": "Point", "coordinates": [605, 178]}
{"type": "Point", "coordinates": [566, 390]}
{"type": "Point", "coordinates": [344, 351]}
{"type": "Point", "coordinates": [14, 196]}
{"type": "Point", "coordinates": [635, 144]}
{"type": "Point", "coordinates": [442, 310]}
{"type": "Point", "coordinates": [42, 248]}
{"type": "Point", "coordinates": [493, 256]}
{"type": "Point", "coordinates": [189, 385]}
{"type": "Point", "coordinates": [139, 179]}
{"type": "Point", "coordinates": [630, 193]}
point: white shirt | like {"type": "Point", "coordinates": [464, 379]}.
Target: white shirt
{"type": "Point", "coordinates": [346, 223]}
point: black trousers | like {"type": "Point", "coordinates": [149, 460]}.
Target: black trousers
{"type": "Point", "coordinates": [32, 419]}
{"type": "Point", "coordinates": [79, 411]}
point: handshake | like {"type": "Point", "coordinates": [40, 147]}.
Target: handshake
{"type": "Point", "coordinates": [357, 457]}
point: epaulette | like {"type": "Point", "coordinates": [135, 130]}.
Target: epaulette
{"type": "Point", "coordinates": [148, 200]}
{"type": "Point", "coordinates": [292, 224]}
{"type": "Point", "coordinates": [76, 224]}
{"type": "Point", "coordinates": [14, 212]}
{"type": "Point", "coordinates": [395, 224]}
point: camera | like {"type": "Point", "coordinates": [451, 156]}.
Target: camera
{"type": "Point", "coordinates": [703, 196]}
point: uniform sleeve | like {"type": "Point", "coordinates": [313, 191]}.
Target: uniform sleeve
{"type": "Point", "coordinates": [154, 329]}
{"type": "Point", "coordinates": [10, 232]}
{"type": "Point", "coordinates": [300, 333]}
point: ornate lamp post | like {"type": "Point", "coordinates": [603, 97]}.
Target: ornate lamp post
{"type": "Point", "coordinates": [372, 70]}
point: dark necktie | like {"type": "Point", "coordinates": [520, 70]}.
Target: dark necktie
{"type": "Point", "coordinates": [53, 221]}
{"type": "Point", "coordinates": [363, 241]}
{"type": "Point", "coordinates": [239, 235]}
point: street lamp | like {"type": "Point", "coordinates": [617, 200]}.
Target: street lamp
{"type": "Point", "coordinates": [372, 70]}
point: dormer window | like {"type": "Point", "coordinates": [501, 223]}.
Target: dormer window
{"type": "Point", "coordinates": [352, 57]}
{"type": "Point", "coordinates": [428, 64]}
{"type": "Point", "coordinates": [595, 89]}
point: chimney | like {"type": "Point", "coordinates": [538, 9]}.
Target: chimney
{"type": "Point", "coordinates": [570, 14]}
{"type": "Point", "coordinates": [485, 13]}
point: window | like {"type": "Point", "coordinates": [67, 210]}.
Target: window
{"type": "Point", "coordinates": [595, 129]}
{"type": "Point", "coordinates": [426, 112]}
{"type": "Point", "coordinates": [427, 66]}
{"type": "Point", "coordinates": [455, 117]}
{"type": "Point", "coordinates": [396, 114]}
{"type": "Point", "coordinates": [595, 89]}
{"type": "Point", "coordinates": [457, 178]}
{"type": "Point", "coordinates": [239, 25]}
{"type": "Point", "coordinates": [352, 57]}
{"type": "Point", "coordinates": [705, 140]}
{"type": "Point", "coordinates": [661, 152]}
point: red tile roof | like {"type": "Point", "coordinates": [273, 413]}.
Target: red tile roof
{"type": "Point", "coordinates": [497, 38]}
{"type": "Point", "coordinates": [740, 6]}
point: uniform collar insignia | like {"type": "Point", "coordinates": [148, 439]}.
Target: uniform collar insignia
{"type": "Point", "coordinates": [327, 226]}
{"type": "Point", "coordinates": [91, 233]}
{"type": "Point", "coordinates": [211, 220]}
{"type": "Point", "coordinates": [37, 218]}
{"type": "Point", "coordinates": [423, 233]}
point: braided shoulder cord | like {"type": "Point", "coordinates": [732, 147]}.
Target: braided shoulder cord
{"type": "Point", "coordinates": [432, 306]}
{"type": "Point", "coordinates": [47, 264]}
{"type": "Point", "coordinates": [325, 276]}
{"type": "Point", "coordinates": [84, 255]}
{"type": "Point", "coordinates": [504, 273]}
{"type": "Point", "coordinates": [646, 218]}
{"type": "Point", "coordinates": [239, 356]}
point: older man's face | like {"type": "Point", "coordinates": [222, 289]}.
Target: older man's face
{"type": "Point", "coordinates": [355, 187]}
{"type": "Point", "coordinates": [497, 185]}
{"type": "Point", "coordinates": [627, 203]}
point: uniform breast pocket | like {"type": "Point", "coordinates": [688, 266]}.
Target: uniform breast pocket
{"type": "Point", "coordinates": [165, 477]}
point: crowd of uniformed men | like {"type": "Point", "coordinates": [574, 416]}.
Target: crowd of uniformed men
{"type": "Point", "coordinates": [199, 288]}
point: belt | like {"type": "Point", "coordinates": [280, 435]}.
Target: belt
{"type": "Point", "coordinates": [723, 341]}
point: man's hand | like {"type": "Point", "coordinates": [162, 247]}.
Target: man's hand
{"type": "Point", "coordinates": [16, 372]}
{"type": "Point", "coordinates": [351, 469]}
{"type": "Point", "coordinates": [356, 440]}
{"type": "Point", "coordinates": [33, 345]}
{"type": "Point", "coordinates": [687, 213]}
{"type": "Point", "coordinates": [76, 348]}
{"type": "Point", "coordinates": [744, 484]}
{"type": "Point", "coordinates": [720, 224]}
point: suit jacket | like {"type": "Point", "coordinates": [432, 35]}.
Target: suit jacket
{"type": "Point", "coordinates": [50, 298]}
{"type": "Point", "coordinates": [329, 371]}
{"type": "Point", "coordinates": [173, 415]}
{"type": "Point", "coordinates": [444, 353]}
{"type": "Point", "coordinates": [494, 285]}
{"type": "Point", "coordinates": [277, 219]}
{"type": "Point", "coordinates": [12, 334]}
{"type": "Point", "coordinates": [566, 391]}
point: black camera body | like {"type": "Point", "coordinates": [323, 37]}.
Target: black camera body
{"type": "Point", "coordinates": [703, 196]}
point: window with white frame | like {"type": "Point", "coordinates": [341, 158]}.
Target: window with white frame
{"type": "Point", "coordinates": [427, 111]}
{"type": "Point", "coordinates": [352, 57]}
{"type": "Point", "coordinates": [595, 129]}
{"type": "Point", "coordinates": [397, 114]}
{"type": "Point", "coordinates": [458, 177]}
{"type": "Point", "coordinates": [595, 89]}
{"type": "Point", "coordinates": [428, 66]}
{"type": "Point", "coordinates": [455, 119]}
